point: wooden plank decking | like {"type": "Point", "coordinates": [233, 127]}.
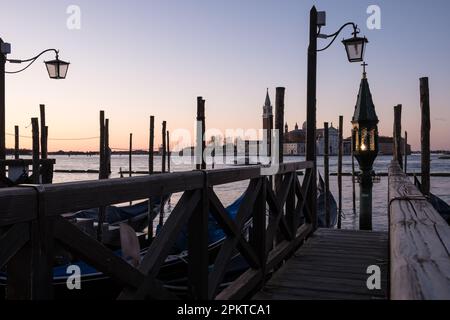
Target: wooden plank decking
{"type": "Point", "coordinates": [332, 264]}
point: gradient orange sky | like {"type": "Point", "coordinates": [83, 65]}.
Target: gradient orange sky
{"type": "Point", "coordinates": [137, 58]}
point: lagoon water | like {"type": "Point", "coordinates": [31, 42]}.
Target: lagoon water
{"type": "Point", "coordinates": [228, 193]}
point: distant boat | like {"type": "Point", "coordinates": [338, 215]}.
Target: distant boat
{"type": "Point", "coordinates": [321, 216]}
{"type": "Point", "coordinates": [445, 157]}
{"type": "Point", "coordinates": [440, 205]}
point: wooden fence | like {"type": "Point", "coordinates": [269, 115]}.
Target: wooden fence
{"type": "Point", "coordinates": [31, 224]}
{"type": "Point", "coordinates": [419, 243]}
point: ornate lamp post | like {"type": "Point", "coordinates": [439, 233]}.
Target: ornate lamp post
{"type": "Point", "coordinates": [57, 69]}
{"type": "Point", "coordinates": [365, 146]}
{"type": "Point", "coordinates": [355, 48]}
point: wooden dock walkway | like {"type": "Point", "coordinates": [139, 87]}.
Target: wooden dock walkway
{"type": "Point", "coordinates": [332, 264]}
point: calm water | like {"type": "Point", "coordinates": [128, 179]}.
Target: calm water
{"type": "Point", "coordinates": [228, 193]}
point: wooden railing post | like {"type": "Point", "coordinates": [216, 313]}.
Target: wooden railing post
{"type": "Point", "coordinates": [36, 166]}
{"type": "Point", "coordinates": [198, 247]}
{"type": "Point", "coordinates": [44, 151]}
{"type": "Point", "coordinates": [164, 147]}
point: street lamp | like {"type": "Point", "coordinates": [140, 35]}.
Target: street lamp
{"type": "Point", "coordinates": [355, 48]}
{"type": "Point", "coordinates": [365, 146]}
{"type": "Point", "coordinates": [57, 69]}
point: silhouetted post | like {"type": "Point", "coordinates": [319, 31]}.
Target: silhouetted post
{"type": "Point", "coordinates": [398, 134]}
{"type": "Point", "coordinates": [247, 152]}
{"type": "Point", "coordinates": [213, 152]}
{"type": "Point", "coordinates": [164, 150]}
{"type": "Point", "coordinates": [201, 128]}
{"type": "Point", "coordinates": [405, 152]}
{"type": "Point", "coordinates": [339, 177]}
{"type": "Point", "coordinates": [107, 150]}
{"type": "Point", "coordinates": [16, 143]}
{"type": "Point", "coordinates": [326, 164]}
{"type": "Point", "coordinates": [2, 112]}
{"type": "Point", "coordinates": [44, 151]}
{"type": "Point", "coordinates": [168, 151]}
{"type": "Point", "coordinates": [235, 151]}
{"type": "Point", "coordinates": [425, 134]}
{"type": "Point", "coordinates": [353, 179]}
{"type": "Point", "coordinates": [151, 146]}
{"type": "Point", "coordinates": [102, 146]}
{"type": "Point", "coordinates": [35, 134]}
{"type": "Point", "coordinates": [279, 125]}
{"type": "Point", "coordinates": [311, 112]}
{"type": "Point", "coordinates": [130, 156]}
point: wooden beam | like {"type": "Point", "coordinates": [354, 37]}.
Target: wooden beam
{"type": "Point", "coordinates": [36, 166]}
{"type": "Point", "coordinates": [339, 176]}
{"type": "Point", "coordinates": [164, 148]}
{"type": "Point", "coordinates": [326, 165]}
{"type": "Point", "coordinates": [151, 147]}
{"type": "Point", "coordinates": [398, 134]}
{"type": "Point", "coordinates": [419, 243]}
{"type": "Point", "coordinates": [16, 143]}
{"type": "Point", "coordinates": [425, 134]}
{"type": "Point", "coordinates": [102, 170]}
{"type": "Point", "coordinates": [44, 151]}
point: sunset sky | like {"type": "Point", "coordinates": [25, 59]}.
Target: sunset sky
{"type": "Point", "coordinates": [137, 58]}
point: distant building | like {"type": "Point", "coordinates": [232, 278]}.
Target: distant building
{"type": "Point", "coordinates": [295, 141]}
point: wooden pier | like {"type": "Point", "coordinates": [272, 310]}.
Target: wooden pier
{"type": "Point", "coordinates": [332, 264]}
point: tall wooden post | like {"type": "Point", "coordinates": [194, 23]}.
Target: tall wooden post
{"type": "Point", "coordinates": [102, 146]}
{"type": "Point", "coordinates": [425, 134]}
{"type": "Point", "coordinates": [168, 151]}
{"type": "Point", "coordinates": [339, 177]}
{"type": "Point", "coordinates": [405, 152]}
{"type": "Point", "coordinates": [16, 143]}
{"type": "Point", "coordinates": [311, 111]}
{"type": "Point", "coordinates": [326, 164]}
{"type": "Point", "coordinates": [107, 151]}
{"type": "Point", "coordinates": [201, 128]}
{"type": "Point", "coordinates": [398, 134]}
{"type": "Point", "coordinates": [164, 150]}
{"type": "Point", "coordinates": [2, 112]}
{"type": "Point", "coordinates": [35, 134]}
{"type": "Point", "coordinates": [279, 125]}
{"type": "Point", "coordinates": [247, 152]}
{"type": "Point", "coordinates": [353, 179]}
{"type": "Point", "coordinates": [130, 157]}
{"type": "Point", "coordinates": [151, 146]}
{"type": "Point", "coordinates": [44, 151]}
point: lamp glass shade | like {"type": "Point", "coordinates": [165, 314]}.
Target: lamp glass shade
{"type": "Point", "coordinates": [355, 48]}
{"type": "Point", "coordinates": [57, 69]}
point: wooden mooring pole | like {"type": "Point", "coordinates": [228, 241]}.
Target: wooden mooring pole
{"type": "Point", "coordinates": [353, 179]}
{"type": "Point", "coordinates": [339, 177]}
{"type": "Point", "coordinates": [425, 134]}
{"type": "Point", "coordinates": [102, 170]}
{"type": "Point", "coordinates": [44, 150]}
{"type": "Point", "coordinates": [130, 156]}
{"type": "Point", "coordinates": [168, 151]}
{"type": "Point", "coordinates": [151, 146]}
{"type": "Point", "coordinates": [405, 153]}
{"type": "Point", "coordinates": [201, 128]}
{"type": "Point", "coordinates": [35, 134]}
{"type": "Point", "coordinates": [16, 143]}
{"type": "Point", "coordinates": [326, 165]}
{"type": "Point", "coordinates": [164, 147]}
{"type": "Point", "coordinates": [107, 151]}
{"type": "Point", "coordinates": [279, 125]}
{"type": "Point", "coordinates": [398, 134]}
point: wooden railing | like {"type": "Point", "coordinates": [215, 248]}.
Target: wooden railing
{"type": "Point", "coordinates": [419, 243]}
{"type": "Point", "coordinates": [31, 225]}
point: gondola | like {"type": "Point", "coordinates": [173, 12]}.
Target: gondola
{"type": "Point", "coordinates": [321, 217]}
{"type": "Point", "coordinates": [173, 273]}
{"type": "Point", "coordinates": [440, 205]}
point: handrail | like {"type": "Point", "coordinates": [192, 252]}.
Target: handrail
{"type": "Point", "coordinates": [419, 243]}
